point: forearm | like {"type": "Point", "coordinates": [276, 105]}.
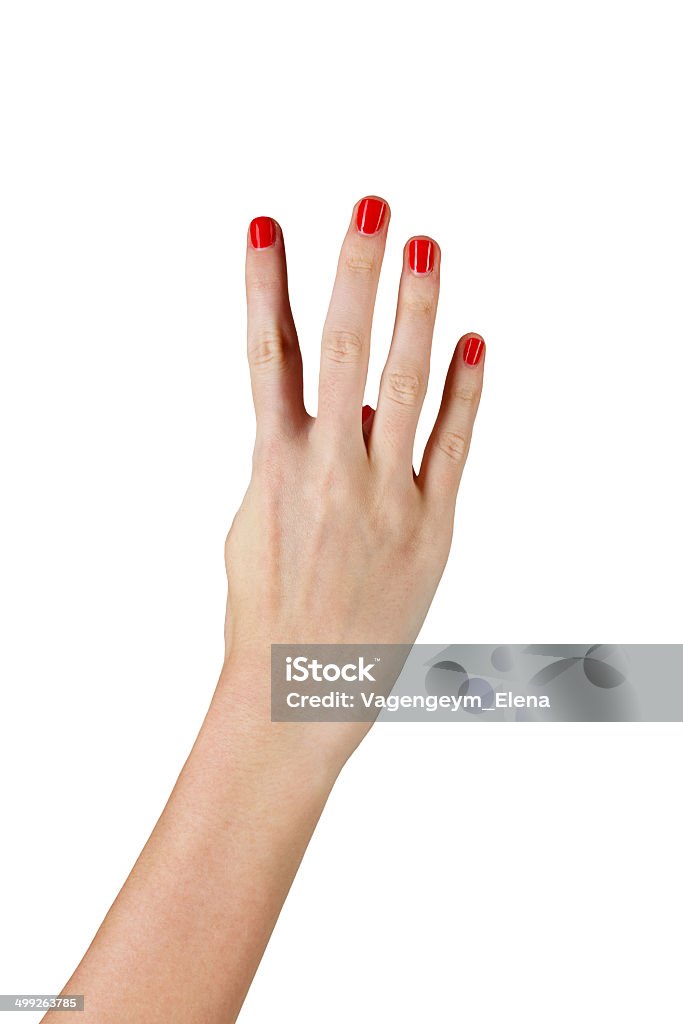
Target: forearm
{"type": "Point", "coordinates": [188, 929]}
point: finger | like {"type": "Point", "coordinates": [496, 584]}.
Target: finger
{"type": "Point", "coordinates": [449, 442]}
{"type": "Point", "coordinates": [346, 334]}
{"type": "Point", "coordinates": [404, 380]}
{"type": "Point", "coordinates": [272, 345]}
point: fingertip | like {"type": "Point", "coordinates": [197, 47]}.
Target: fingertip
{"type": "Point", "coordinates": [367, 417]}
{"type": "Point", "coordinates": [422, 255]}
{"type": "Point", "coordinates": [473, 348]}
{"type": "Point", "coordinates": [371, 214]}
{"type": "Point", "coordinates": [262, 232]}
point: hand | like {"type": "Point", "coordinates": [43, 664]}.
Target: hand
{"type": "Point", "coordinates": [338, 540]}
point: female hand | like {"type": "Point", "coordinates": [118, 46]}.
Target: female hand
{"type": "Point", "coordinates": [338, 540]}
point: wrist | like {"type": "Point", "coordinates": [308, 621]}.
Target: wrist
{"type": "Point", "coordinates": [289, 758]}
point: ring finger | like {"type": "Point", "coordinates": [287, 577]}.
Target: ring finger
{"type": "Point", "coordinates": [404, 380]}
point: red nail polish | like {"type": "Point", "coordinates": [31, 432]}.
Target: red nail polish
{"type": "Point", "coordinates": [262, 232]}
{"type": "Point", "coordinates": [421, 255]}
{"type": "Point", "coordinates": [367, 413]}
{"type": "Point", "coordinates": [370, 215]}
{"type": "Point", "coordinates": [473, 351]}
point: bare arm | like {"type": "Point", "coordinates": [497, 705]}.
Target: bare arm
{"type": "Point", "coordinates": [188, 929]}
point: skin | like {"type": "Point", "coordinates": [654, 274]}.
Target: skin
{"type": "Point", "coordinates": [337, 540]}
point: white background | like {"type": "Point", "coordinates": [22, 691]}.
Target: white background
{"type": "Point", "coordinates": [478, 874]}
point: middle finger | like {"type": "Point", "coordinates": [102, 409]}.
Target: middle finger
{"type": "Point", "coordinates": [346, 334]}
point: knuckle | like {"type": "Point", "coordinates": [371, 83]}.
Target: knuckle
{"type": "Point", "coordinates": [330, 491]}
{"type": "Point", "coordinates": [453, 444]}
{"type": "Point", "coordinates": [268, 350]}
{"type": "Point", "coordinates": [419, 307]}
{"type": "Point", "coordinates": [466, 394]}
{"type": "Point", "coordinates": [342, 346]}
{"type": "Point", "coordinates": [361, 263]}
{"type": "Point", "coordinates": [396, 519]}
{"type": "Point", "coordinates": [404, 387]}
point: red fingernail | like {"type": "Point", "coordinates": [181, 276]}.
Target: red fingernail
{"type": "Point", "coordinates": [262, 232]}
{"type": "Point", "coordinates": [367, 412]}
{"type": "Point", "coordinates": [421, 255]}
{"type": "Point", "coordinates": [473, 351]}
{"type": "Point", "coordinates": [370, 215]}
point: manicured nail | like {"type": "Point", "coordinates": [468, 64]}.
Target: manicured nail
{"type": "Point", "coordinates": [262, 232]}
{"type": "Point", "coordinates": [370, 215]}
{"type": "Point", "coordinates": [367, 413]}
{"type": "Point", "coordinates": [421, 255]}
{"type": "Point", "coordinates": [473, 351]}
